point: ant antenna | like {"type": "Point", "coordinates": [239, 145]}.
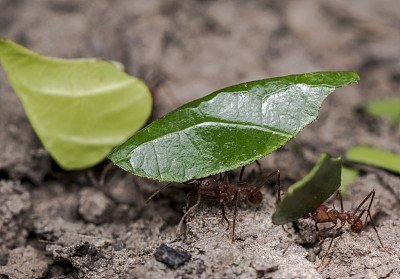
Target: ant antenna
{"type": "Point", "coordinates": [178, 230]}
{"type": "Point", "coordinates": [373, 225]}
{"type": "Point", "coordinates": [157, 192]}
{"type": "Point", "coordinates": [104, 173]}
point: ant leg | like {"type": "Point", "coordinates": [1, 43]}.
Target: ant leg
{"type": "Point", "coordinates": [372, 221]}
{"type": "Point", "coordinates": [178, 230]}
{"type": "Point", "coordinates": [188, 218]}
{"type": "Point", "coordinates": [229, 175]}
{"type": "Point", "coordinates": [288, 233]}
{"type": "Point", "coordinates": [339, 197]}
{"type": "Point", "coordinates": [206, 197]}
{"type": "Point", "coordinates": [372, 195]}
{"type": "Point", "coordinates": [326, 254]}
{"type": "Point", "coordinates": [328, 229]}
{"type": "Point", "coordinates": [256, 189]}
{"type": "Point", "coordinates": [259, 165]}
{"type": "Point", "coordinates": [330, 244]}
{"type": "Point", "coordinates": [369, 206]}
{"type": "Point", "coordinates": [320, 237]}
{"type": "Point", "coordinates": [224, 216]}
{"type": "Point", "coordinates": [359, 216]}
{"type": "Point", "coordinates": [241, 174]}
{"type": "Point", "coordinates": [361, 204]}
{"type": "Point", "coordinates": [373, 225]}
{"type": "Point", "coordinates": [156, 193]}
{"type": "Point", "coordinates": [236, 197]}
{"type": "Point", "coordinates": [290, 244]}
{"type": "Point", "coordinates": [104, 173]}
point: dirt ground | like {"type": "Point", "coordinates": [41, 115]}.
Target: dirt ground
{"type": "Point", "coordinates": [58, 224]}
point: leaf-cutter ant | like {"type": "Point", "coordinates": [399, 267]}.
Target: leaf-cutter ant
{"type": "Point", "coordinates": [322, 214]}
{"type": "Point", "coordinates": [224, 191]}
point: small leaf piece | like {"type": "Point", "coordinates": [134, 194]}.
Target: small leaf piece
{"type": "Point", "coordinates": [310, 192]}
{"type": "Point", "coordinates": [388, 108]}
{"type": "Point", "coordinates": [229, 128]}
{"type": "Point", "coordinates": [79, 108]}
{"type": "Point", "coordinates": [374, 157]}
{"type": "Point", "coordinates": [348, 176]}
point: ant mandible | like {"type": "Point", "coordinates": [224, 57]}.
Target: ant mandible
{"type": "Point", "coordinates": [224, 191]}
{"type": "Point", "coordinates": [323, 214]}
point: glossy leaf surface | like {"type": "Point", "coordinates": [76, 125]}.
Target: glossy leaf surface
{"type": "Point", "coordinates": [375, 157]}
{"type": "Point", "coordinates": [229, 128]}
{"type": "Point", "coordinates": [310, 192]}
{"type": "Point", "coordinates": [79, 108]}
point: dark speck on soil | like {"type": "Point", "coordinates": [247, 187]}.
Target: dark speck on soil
{"type": "Point", "coordinates": [172, 257]}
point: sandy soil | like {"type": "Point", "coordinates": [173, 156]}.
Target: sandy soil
{"type": "Point", "coordinates": [57, 224]}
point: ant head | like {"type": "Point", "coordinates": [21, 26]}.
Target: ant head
{"type": "Point", "coordinates": [208, 184]}
{"type": "Point", "coordinates": [320, 214]}
{"type": "Point", "coordinates": [256, 198]}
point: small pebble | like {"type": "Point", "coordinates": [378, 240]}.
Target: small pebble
{"type": "Point", "coordinates": [171, 257]}
{"type": "Point", "coordinates": [94, 206]}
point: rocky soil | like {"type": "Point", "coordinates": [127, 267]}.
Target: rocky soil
{"type": "Point", "coordinates": [58, 224]}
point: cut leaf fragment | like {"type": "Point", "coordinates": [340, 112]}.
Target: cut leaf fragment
{"type": "Point", "coordinates": [375, 157]}
{"type": "Point", "coordinates": [310, 192]}
{"type": "Point", "coordinates": [79, 108]}
{"type": "Point", "coordinates": [387, 108]}
{"type": "Point", "coordinates": [229, 128]}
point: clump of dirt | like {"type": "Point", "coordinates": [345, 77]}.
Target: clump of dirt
{"type": "Point", "coordinates": [15, 201]}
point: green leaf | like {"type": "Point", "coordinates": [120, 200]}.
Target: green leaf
{"type": "Point", "coordinates": [310, 192]}
{"type": "Point", "coordinates": [229, 128]}
{"type": "Point", "coordinates": [375, 157]}
{"type": "Point", "coordinates": [79, 108]}
{"type": "Point", "coordinates": [348, 176]}
{"type": "Point", "coordinates": [387, 108]}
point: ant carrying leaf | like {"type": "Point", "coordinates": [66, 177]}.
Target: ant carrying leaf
{"type": "Point", "coordinates": [224, 191]}
{"type": "Point", "coordinates": [322, 181]}
{"type": "Point", "coordinates": [323, 214]}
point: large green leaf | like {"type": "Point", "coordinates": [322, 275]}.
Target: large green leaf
{"type": "Point", "coordinates": [375, 157]}
{"type": "Point", "coordinates": [229, 128]}
{"type": "Point", "coordinates": [310, 192]}
{"type": "Point", "coordinates": [79, 108]}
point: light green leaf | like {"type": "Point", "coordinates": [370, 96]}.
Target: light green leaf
{"type": "Point", "coordinates": [348, 176]}
{"type": "Point", "coordinates": [388, 108]}
{"type": "Point", "coordinates": [310, 192]}
{"type": "Point", "coordinates": [79, 108]}
{"type": "Point", "coordinates": [229, 128]}
{"type": "Point", "coordinates": [375, 157]}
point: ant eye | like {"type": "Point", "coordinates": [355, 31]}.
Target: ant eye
{"type": "Point", "coordinates": [207, 184]}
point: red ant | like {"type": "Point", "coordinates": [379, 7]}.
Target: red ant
{"type": "Point", "coordinates": [224, 191]}
{"type": "Point", "coordinates": [324, 215]}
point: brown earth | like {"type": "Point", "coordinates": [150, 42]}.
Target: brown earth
{"type": "Point", "coordinates": [58, 224]}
